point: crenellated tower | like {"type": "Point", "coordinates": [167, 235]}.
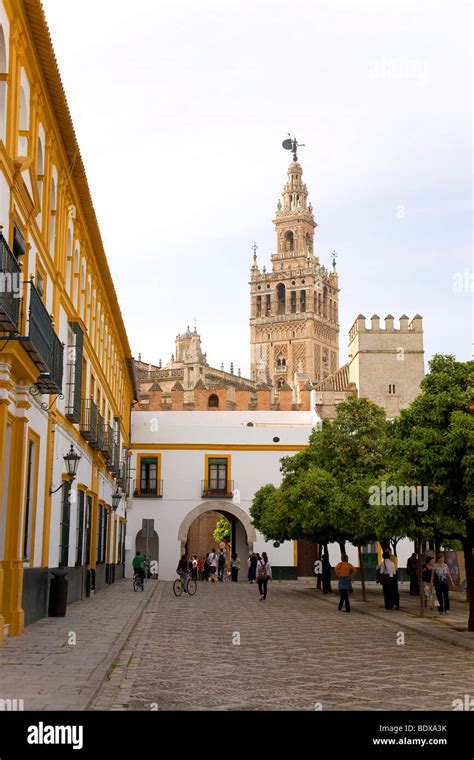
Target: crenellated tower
{"type": "Point", "coordinates": [294, 307]}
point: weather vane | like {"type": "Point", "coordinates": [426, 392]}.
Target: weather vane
{"type": "Point", "coordinates": [293, 144]}
{"type": "Point", "coordinates": [334, 257]}
{"type": "Point", "coordinates": [254, 249]}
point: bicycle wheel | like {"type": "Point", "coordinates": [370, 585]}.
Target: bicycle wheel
{"type": "Point", "coordinates": [192, 587]}
{"type": "Point", "coordinates": [177, 587]}
{"type": "Point", "coordinates": [135, 585]}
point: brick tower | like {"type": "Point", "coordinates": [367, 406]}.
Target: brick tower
{"type": "Point", "coordinates": [294, 326]}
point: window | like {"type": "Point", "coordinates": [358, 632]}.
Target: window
{"type": "Point", "coordinates": [65, 526]}
{"type": "Point", "coordinates": [41, 281]}
{"type": "Point", "coordinates": [24, 120]}
{"type": "Point", "coordinates": [289, 241]}
{"type": "Point", "coordinates": [281, 298]}
{"type": "Point", "coordinates": [40, 171]}
{"type": "Point", "coordinates": [87, 528]}
{"type": "Point", "coordinates": [268, 305]}
{"type": "Point", "coordinates": [74, 372]}
{"type": "Point", "coordinates": [217, 475]}
{"type": "Point", "coordinates": [259, 306]}
{"type": "Point", "coordinates": [303, 300]}
{"type": "Point", "coordinates": [148, 476]}
{"type": "Point", "coordinates": [102, 518]}
{"type": "Point", "coordinates": [293, 301]}
{"type": "Point", "coordinates": [3, 84]}
{"type": "Point", "coordinates": [391, 389]}
{"type": "Point", "coordinates": [80, 528]}
{"type": "Point", "coordinates": [52, 220]}
{"type": "Point", "coordinates": [30, 486]}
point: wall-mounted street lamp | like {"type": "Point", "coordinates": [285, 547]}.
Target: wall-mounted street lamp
{"type": "Point", "coordinates": [71, 460]}
{"type": "Point", "coordinates": [116, 499]}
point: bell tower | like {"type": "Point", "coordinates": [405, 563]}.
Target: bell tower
{"type": "Point", "coordinates": [294, 328]}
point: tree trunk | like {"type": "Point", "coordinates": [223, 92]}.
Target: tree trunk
{"type": "Point", "coordinates": [362, 575]}
{"type": "Point", "coordinates": [468, 548]}
{"type": "Point", "coordinates": [342, 546]}
{"type": "Point", "coordinates": [420, 576]}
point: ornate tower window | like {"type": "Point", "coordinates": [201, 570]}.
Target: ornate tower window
{"type": "Point", "coordinates": [289, 241]}
{"type": "Point", "coordinates": [303, 300]}
{"type": "Point", "coordinates": [293, 301]}
{"type": "Point", "coordinates": [259, 306]}
{"type": "Point", "coordinates": [281, 298]}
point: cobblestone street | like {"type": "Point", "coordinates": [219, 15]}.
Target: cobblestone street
{"type": "Point", "coordinates": [151, 651]}
{"type": "Point", "coordinates": [296, 651]}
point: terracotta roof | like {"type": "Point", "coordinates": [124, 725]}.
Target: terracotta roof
{"type": "Point", "coordinates": [57, 97]}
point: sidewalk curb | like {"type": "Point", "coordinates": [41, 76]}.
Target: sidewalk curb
{"type": "Point", "coordinates": [101, 671]}
{"type": "Point", "coordinates": [447, 637]}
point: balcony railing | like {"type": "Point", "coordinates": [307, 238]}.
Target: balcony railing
{"type": "Point", "coordinates": [108, 449]}
{"type": "Point", "coordinates": [101, 434]}
{"type": "Point", "coordinates": [89, 423]}
{"type": "Point", "coordinates": [148, 489]}
{"type": "Point", "coordinates": [10, 289]}
{"type": "Point", "coordinates": [43, 345]}
{"type": "Point", "coordinates": [114, 462]}
{"type": "Point", "coordinates": [214, 489]}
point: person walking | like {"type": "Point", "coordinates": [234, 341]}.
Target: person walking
{"type": "Point", "coordinates": [264, 574]}
{"type": "Point", "coordinates": [344, 572]}
{"type": "Point", "coordinates": [386, 574]}
{"type": "Point", "coordinates": [426, 575]}
{"type": "Point", "coordinates": [200, 568]}
{"type": "Point", "coordinates": [252, 565]}
{"type": "Point", "coordinates": [235, 567]}
{"type": "Point", "coordinates": [442, 577]}
{"type": "Point", "coordinates": [221, 566]}
{"type": "Point", "coordinates": [412, 572]}
{"type": "Point", "coordinates": [326, 574]}
{"type": "Point", "coordinates": [212, 564]}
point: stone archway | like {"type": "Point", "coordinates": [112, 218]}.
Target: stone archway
{"type": "Point", "coordinates": [217, 505]}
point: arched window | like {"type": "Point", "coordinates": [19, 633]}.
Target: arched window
{"type": "Point", "coordinates": [3, 84]}
{"type": "Point", "coordinates": [77, 259]}
{"type": "Point", "coordinates": [309, 242]}
{"type": "Point", "coordinates": [281, 298]}
{"type": "Point", "coordinates": [289, 241]}
{"type": "Point", "coordinates": [213, 401]}
{"type": "Point", "coordinates": [52, 222]}
{"type": "Point", "coordinates": [83, 289]}
{"type": "Point", "coordinates": [69, 261]}
{"type": "Point", "coordinates": [40, 171]}
{"type": "Point", "coordinates": [23, 124]}
{"type": "Point", "coordinates": [325, 302]}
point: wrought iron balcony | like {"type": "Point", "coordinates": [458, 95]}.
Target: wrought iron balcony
{"type": "Point", "coordinates": [148, 489]}
{"type": "Point", "coordinates": [10, 289]}
{"type": "Point", "coordinates": [89, 423]}
{"type": "Point", "coordinates": [43, 345]}
{"type": "Point", "coordinates": [108, 449]}
{"type": "Point", "coordinates": [114, 462]}
{"type": "Point", "coordinates": [101, 434]}
{"type": "Point", "coordinates": [215, 489]}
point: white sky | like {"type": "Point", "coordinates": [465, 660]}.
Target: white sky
{"type": "Point", "coordinates": [180, 109]}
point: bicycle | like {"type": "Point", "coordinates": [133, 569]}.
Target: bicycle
{"type": "Point", "coordinates": [138, 582]}
{"type": "Point", "coordinates": [178, 586]}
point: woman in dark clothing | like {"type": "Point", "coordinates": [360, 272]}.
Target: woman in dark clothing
{"type": "Point", "coordinates": [326, 574]}
{"type": "Point", "coordinates": [252, 563]}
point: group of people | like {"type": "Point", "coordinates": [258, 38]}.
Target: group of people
{"type": "Point", "coordinates": [436, 577]}
{"type": "Point", "coordinates": [215, 564]}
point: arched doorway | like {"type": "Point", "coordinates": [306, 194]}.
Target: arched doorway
{"type": "Point", "coordinates": [195, 532]}
{"type": "Point", "coordinates": [150, 547]}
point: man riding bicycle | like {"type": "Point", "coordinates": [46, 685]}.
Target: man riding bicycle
{"type": "Point", "coordinates": [137, 564]}
{"type": "Point", "coordinates": [183, 570]}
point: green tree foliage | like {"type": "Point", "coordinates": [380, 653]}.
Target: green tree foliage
{"type": "Point", "coordinates": [222, 531]}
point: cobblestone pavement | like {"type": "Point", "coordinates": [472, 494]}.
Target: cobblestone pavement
{"type": "Point", "coordinates": [296, 651]}
{"type": "Point", "coordinates": [48, 673]}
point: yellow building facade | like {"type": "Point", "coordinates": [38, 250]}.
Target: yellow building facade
{"type": "Point", "coordinates": [66, 372]}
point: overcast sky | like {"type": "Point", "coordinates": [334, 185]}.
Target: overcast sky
{"type": "Point", "coordinates": [180, 109]}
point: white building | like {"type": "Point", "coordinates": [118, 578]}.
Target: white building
{"type": "Point", "coordinates": [197, 462]}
